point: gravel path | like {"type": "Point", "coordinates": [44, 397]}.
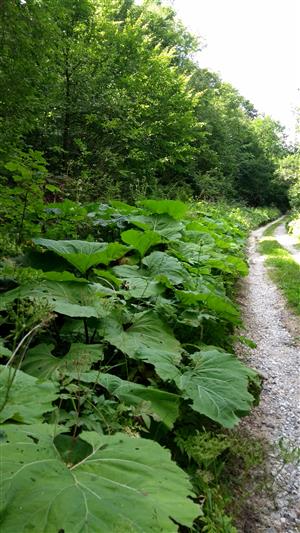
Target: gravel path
{"type": "Point", "coordinates": [276, 357]}
{"type": "Point", "coordinates": [287, 241]}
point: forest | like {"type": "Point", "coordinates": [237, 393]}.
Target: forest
{"type": "Point", "coordinates": [130, 179]}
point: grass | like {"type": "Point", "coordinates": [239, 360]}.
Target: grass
{"type": "Point", "coordinates": [284, 271]}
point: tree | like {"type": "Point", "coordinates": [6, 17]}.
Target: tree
{"type": "Point", "coordinates": [25, 43]}
{"type": "Point", "coordinates": [109, 92]}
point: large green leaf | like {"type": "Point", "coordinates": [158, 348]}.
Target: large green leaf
{"type": "Point", "coordinates": [69, 298]}
{"type": "Point", "coordinates": [164, 225]}
{"type": "Point", "coordinates": [142, 288]}
{"type": "Point", "coordinates": [217, 385]}
{"type": "Point", "coordinates": [174, 208]}
{"type": "Point", "coordinates": [164, 404]}
{"type": "Point", "coordinates": [41, 363]}
{"type": "Point", "coordinates": [190, 252]}
{"type": "Point", "coordinates": [148, 339]}
{"type": "Point", "coordinates": [125, 484]}
{"type": "Point", "coordinates": [23, 398]}
{"type": "Point", "coordinates": [160, 264]}
{"type": "Point", "coordinates": [62, 276]}
{"type": "Point", "coordinates": [107, 277]}
{"type": "Point", "coordinates": [229, 263]}
{"type": "Point", "coordinates": [220, 304]}
{"type": "Point", "coordinates": [141, 241]}
{"type": "Point", "coordinates": [83, 254]}
{"type": "Point", "coordinates": [138, 283]}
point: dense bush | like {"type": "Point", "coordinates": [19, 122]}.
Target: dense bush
{"type": "Point", "coordinates": [114, 349]}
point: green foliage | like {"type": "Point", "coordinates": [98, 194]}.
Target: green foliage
{"type": "Point", "coordinates": [163, 405]}
{"type": "Point", "coordinates": [116, 485]}
{"type": "Point", "coordinates": [65, 218]}
{"type": "Point", "coordinates": [238, 157]}
{"type": "Point", "coordinates": [175, 209]}
{"type": "Point", "coordinates": [141, 241]}
{"type": "Point", "coordinates": [41, 363]}
{"type": "Point", "coordinates": [82, 254]}
{"type": "Point", "coordinates": [22, 182]}
{"type": "Point", "coordinates": [252, 218]}
{"type": "Point", "coordinates": [147, 339]}
{"type": "Point", "coordinates": [141, 121]}
{"type": "Point", "coordinates": [220, 465]}
{"type": "Point", "coordinates": [73, 299]}
{"type": "Point", "coordinates": [162, 266]}
{"type": "Point", "coordinates": [289, 454]}
{"type": "Point", "coordinates": [217, 384]}
{"type": "Point", "coordinates": [142, 339]}
{"type": "Point", "coordinates": [119, 318]}
{"type": "Point", "coordinates": [289, 172]}
{"type": "Point", "coordinates": [23, 398]}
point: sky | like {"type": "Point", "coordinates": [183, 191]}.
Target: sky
{"type": "Point", "coordinates": [255, 46]}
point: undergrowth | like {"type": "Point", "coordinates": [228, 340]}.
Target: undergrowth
{"type": "Point", "coordinates": [119, 383]}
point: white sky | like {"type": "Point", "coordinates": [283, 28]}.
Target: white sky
{"type": "Point", "coordinates": [254, 45]}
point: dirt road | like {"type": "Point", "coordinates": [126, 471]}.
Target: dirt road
{"type": "Point", "coordinates": [273, 509]}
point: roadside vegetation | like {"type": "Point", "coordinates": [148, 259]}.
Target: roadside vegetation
{"type": "Point", "coordinates": [284, 270]}
{"type": "Point", "coordinates": [289, 169]}
{"type": "Point", "coordinates": [282, 267]}
{"type": "Point", "coordinates": [129, 181]}
{"type": "Point", "coordinates": [294, 225]}
{"type": "Point", "coordinates": [117, 347]}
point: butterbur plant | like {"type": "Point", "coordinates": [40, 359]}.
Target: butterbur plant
{"type": "Point", "coordinates": [109, 483]}
{"type": "Point", "coordinates": [130, 346]}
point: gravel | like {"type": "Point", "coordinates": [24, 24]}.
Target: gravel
{"type": "Point", "coordinates": [288, 242]}
{"type": "Point", "coordinates": [277, 356]}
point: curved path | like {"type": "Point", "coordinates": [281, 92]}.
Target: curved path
{"type": "Point", "coordinates": [287, 241]}
{"type": "Point", "coordinates": [277, 357]}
